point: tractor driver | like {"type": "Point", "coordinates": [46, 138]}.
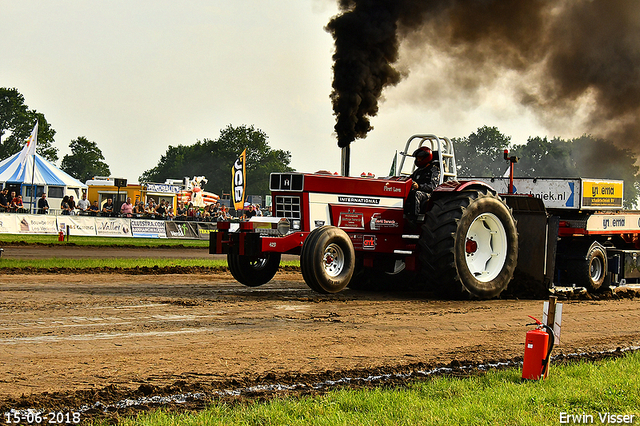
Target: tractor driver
{"type": "Point", "coordinates": [425, 179]}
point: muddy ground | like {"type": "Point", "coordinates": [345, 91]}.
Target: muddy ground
{"type": "Point", "coordinates": [68, 340]}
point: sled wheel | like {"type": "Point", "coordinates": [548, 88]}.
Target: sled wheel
{"type": "Point", "coordinates": [253, 271]}
{"type": "Point", "coordinates": [327, 259]}
{"type": "Point", "coordinates": [469, 244]}
{"type": "Point", "coordinates": [591, 272]}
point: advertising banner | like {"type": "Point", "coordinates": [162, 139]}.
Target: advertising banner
{"type": "Point", "coordinates": [556, 193]}
{"type": "Point", "coordinates": [614, 224]}
{"type": "Point", "coordinates": [36, 224]}
{"type": "Point", "coordinates": [142, 228]}
{"type": "Point", "coordinates": [78, 225]}
{"type": "Point", "coordinates": [113, 227]}
{"type": "Point", "coordinates": [181, 230]}
{"type": "Point", "coordinates": [163, 188]}
{"type": "Point", "coordinates": [600, 194]}
{"type": "Point", "coordinates": [8, 224]}
{"type": "Point", "coordinates": [204, 229]}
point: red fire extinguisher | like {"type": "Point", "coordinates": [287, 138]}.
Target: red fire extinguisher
{"type": "Point", "coordinates": [537, 351]}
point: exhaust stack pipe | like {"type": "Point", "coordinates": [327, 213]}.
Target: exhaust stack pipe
{"type": "Point", "coordinates": [345, 160]}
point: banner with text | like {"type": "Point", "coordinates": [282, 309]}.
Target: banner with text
{"type": "Point", "coordinates": [204, 229]}
{"type": "Point", "coordinates": [36, 224]}
{"type": "Point", "coordinates": [78, 225]}
{"type": "Point", "coordinates": [8, 224]}
{"type": "Point", "coordinates": [142, 228]}
{"type": "Point", "coordinates": [113, 227]}
{"type": "Point", "coordinates": [181, 230]}
{"type": "Point", "coordinates": [12, 223]}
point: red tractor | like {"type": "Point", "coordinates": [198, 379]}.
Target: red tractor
{"type": "Point", "coordinates": [353, 231]}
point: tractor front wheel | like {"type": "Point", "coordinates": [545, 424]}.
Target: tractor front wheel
{"type": "Point", "coordinates": [253, 271]}
{"type": "Point", "coordinates": [327, 259]}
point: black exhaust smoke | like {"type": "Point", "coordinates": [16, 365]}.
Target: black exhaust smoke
{"type": "Point", "coordinates": [569, 53]}
{"type": "Point", "coordinates": [366, 47]}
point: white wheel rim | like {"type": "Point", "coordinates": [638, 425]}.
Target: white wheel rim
{"type": "Point", "coordinates": [486, 247]}
{"type": "Point", "coordinates": [595, 269]}
{"type": "Point", "coordinates": [333, 260]}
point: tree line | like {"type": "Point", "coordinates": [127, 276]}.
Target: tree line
{"type": "Point", "coordinates": [214, 158]}
{"type": "Point", "coordinates": [480, 154]}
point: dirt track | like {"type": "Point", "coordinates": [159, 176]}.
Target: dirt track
{"type": "Point", "coordinates": [75, 332]}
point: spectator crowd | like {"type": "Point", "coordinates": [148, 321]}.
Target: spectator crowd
{"type": "Point", "coordinates": [10, 202]}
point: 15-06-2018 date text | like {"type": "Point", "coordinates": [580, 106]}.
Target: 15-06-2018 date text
{"type": "Point", "coordinates": [37, 417]}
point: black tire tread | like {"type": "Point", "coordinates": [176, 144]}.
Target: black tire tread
{"type": "Point", "coordinates": [242, 270]}
{"type": "Point", "coordinates": [311, 253]}
{"type": "Point", "coordinates": [438, 244]}
{"type": "Point", "coordinates": [579, 269]}
{"type": "Point", "coordinates": [306, 264]}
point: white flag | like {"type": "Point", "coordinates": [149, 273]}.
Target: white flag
{"type": "Point", "coordinates": [30, 148]}
{"type": "Point", "coordinates": [392, 172]}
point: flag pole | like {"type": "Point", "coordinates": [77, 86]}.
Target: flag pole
{"type": "Point", "coordinates": [33, 172]}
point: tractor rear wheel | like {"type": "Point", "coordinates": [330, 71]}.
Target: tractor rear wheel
{"type": "Point", "coordinates": [253, 271]}
{"type": "Point", "coordinates": [327, 259]}
{"type": "Point", "coordinates": [469, 244]}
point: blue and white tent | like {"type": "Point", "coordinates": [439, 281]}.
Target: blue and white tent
{"type": "Point", "coordinates": [46, 177]}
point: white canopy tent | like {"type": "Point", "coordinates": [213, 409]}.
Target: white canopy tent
{"type": "Point", "coordinates": [45, 178]}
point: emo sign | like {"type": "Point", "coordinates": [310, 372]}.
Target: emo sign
{"type": "Point", "coordinates": [238, 180]}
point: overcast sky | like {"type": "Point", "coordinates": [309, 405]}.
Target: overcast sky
{"type": "Point", "coordinates": [138, 76]}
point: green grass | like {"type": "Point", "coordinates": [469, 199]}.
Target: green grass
{"type": "Point", "coordinates": [498, 397]}
{"type": "Point", "coordinates": [55, 262]}
{"type": "Point", "coordinates": [101, 241]}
